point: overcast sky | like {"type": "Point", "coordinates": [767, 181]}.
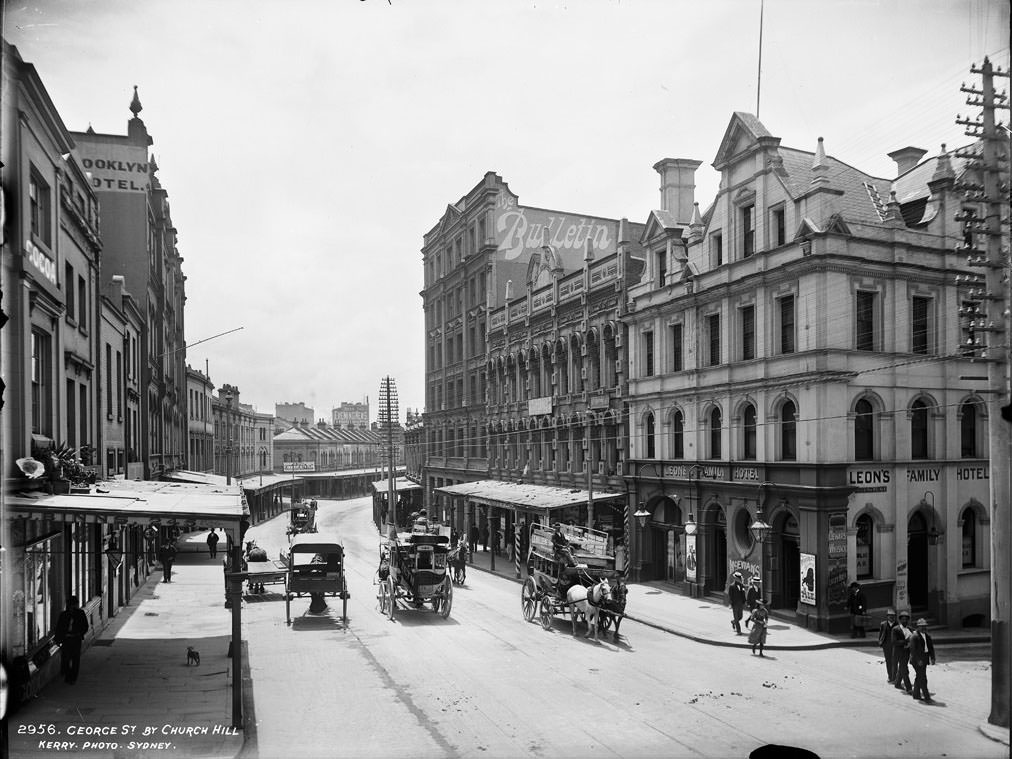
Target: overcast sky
{"type": "Point", "coordinates": [307, 146]}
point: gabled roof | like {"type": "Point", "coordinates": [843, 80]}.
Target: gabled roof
{"type": "Point", "coordinates": [743, 129]}
{"type": "Point", "coordinates": [657, 222]}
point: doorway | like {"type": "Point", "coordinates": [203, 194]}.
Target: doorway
{"type": "Point", "coordinates": [917, 561]}
{"type": "Point", "coordinates": [716, 553]}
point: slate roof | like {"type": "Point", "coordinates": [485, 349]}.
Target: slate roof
{"type": "Point", "coordinates": [523, 495]}
{"type": "Point", "coordinates": [856, 204]}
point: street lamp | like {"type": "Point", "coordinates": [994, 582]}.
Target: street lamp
{"type": "Point", "coordinates": [641, 515]}
{"type": "Point", "coordinates": [934, 536]}
{"type": "Point", "coordinates": [114, 553]}
{"type": "Point", "coordinates": [690, 525]}
{"type": "Point", "coordinates": [760, 529]}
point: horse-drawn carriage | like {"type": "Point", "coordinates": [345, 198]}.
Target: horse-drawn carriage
{"type": "Point", "coordinates": [413, 569]}
{"type": "Point", "coordinates": [573, 571]}
{"type": "Point", "coordinates": [316, 567]}
{"type": "Point", "coordinates": [303, 517]}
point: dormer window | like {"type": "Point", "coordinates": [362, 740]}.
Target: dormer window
{"type": "Point", "coordinates": [717, 248]}
{"type": "Point", "coordinates": [662, 267]}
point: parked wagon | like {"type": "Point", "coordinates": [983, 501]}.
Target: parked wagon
{"type": "Point", "coordinates": [303, 517]}
{"type": "Point", "coordinates": [574, 575]}
{"type": "Point", "coordinates": [413, 572]}
{"type": "Point", "coordinates": [316, 568]}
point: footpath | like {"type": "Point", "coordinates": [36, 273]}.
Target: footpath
{"type": "Point", "coordinates": [708, 621]}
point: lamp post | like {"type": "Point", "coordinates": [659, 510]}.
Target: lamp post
{"type": "Point", "coordinates": [228, 438]}
{"type": "Point", "coordinates": [641, 515]}
{"type": "Point", "coordinates": [760, 529]}
{"type": "Point", "coordinates": [934, 536]}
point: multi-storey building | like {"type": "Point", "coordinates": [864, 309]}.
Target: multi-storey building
{"type": "Point", "coordinates": [200, 421]}
{"type": "Point", "coordinates": [796, 363]}
{"type": "Point", "coordinates": [122, 328]}
{"type": "Point", "coordinates": [237, 432]}
{"type": "Point", "coordinates": [350, 414]}
{"type": "Point", "coordinates": [331, 448]}
{"type": "Point", "coordinates": [139, 245]}
{"type": "Point", "coordinates": [293, 413]}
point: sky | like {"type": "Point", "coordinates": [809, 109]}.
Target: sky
{"type": "Point", "coordinates": [308, 145]}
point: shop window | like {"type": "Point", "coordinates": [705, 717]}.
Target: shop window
{"type": "Point", "coordinates": [41, 590]}
{"type": "Point", "coordinates": [864, 550]}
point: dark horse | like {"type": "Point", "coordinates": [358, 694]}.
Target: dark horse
{"type": "Point", "coordinates": [456, 559]}
{"type": "Point", "coordinates": [612, 610]}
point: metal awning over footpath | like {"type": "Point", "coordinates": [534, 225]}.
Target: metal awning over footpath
{"type": "Point", "coordinates": [253, 483]}
{"type": "Point", "coordinates": [526, 497]}
{"type": "Point", "coordinates": [401, 484]}
{"type": "Point", "coordinates": [137, 502]}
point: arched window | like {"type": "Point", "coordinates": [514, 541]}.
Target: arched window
{"type": "Point", "coordinates": [865, 546]}
{"type": "Point", "coordinates": [919, 430]}
{"type": "Point", "coordinates": [748, 433]}
{"type": "Point", "coordinates": [648, 425]}
{"type": "Point", "coordinates": [969, 538]}
{"type": "Point", "coordinates": [677, 435]}
{"type": "Point", "coordinates": [968, 431]}
{"type": "Point", "coordinates": [864, 431]}
{"type": "Point", "coordinates": [788, 431]}
{"type": "Point", "coordinates": [715, 427]}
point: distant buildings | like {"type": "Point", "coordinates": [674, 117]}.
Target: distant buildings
{"type": "Point", "coordinates": [294, 413]}
{"type": "Point", "coordinates": [350, 414]}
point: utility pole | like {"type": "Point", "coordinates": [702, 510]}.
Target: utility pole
{"type": "Point", "coordinates": [388, 416]}
{"type": "Point", "coordinates": [986, 246]}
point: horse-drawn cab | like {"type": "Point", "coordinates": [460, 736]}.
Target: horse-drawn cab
{"type": "Point", "coordinates": [303, 517]}
{"type": "Point", "coordinates": [316, 567]}
{"type": "Point", "coordinates": [413, 567]}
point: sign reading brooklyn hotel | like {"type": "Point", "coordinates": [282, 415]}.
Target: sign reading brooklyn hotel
{"type": "Point", "coordinates": [115, 168]}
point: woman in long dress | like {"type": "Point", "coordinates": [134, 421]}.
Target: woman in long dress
{"type": "Point", "coordinates": [758, 622]}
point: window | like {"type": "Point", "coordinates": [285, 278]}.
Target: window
{"type": "Point", "coordinates": [82, 302]}
{"type": "Point", "coordinates": [748, 231]}
{"type": "Point", "coordinates": [69, 292]}
{"type": "Point", "coordinates": [39, 208]}
{"type": "Point", "coordinates": [648, 354]}
{"type": "Point", "coordinates": [919, 430]}
{"type": "Point", "coordinates": [920, 325]}
{"type": "Point", "coordinates": [715, 428]}
{"type": "Point", "coordinates": [648, 426]}
{"type": "Point", "coordinates": [662, 267]}
{"type": "Point", "coordinates": [717, 248]}
{"type": "Point", "coordinates": [748, 333]}
{"type": "Point", "coordinates": [71, 413]}
{"type": "Point", "coordinates": [119, 386]}
{"type": "Point", "coordinates": [778, 225]}
{"type": "Point", "coordinates": [676, 348]}
{"type": "Point", "coordinates": [108, 384]}
{"type": "Point", "coordinates": [42, 590]}
{"type": "Point", "coordinates": [787, 324]}
{"type": "Point", "coordinates": [865, 321]}
{"type": "Point", "coordinates": [788, 431]}
{"type": "Point", "coordinates": [748, 433]}
{"type": "Point", "coordinates": [969, 538]}
{"type": "Point", "coordinates": [677, 435]}
{"type": "Point", "coordinates": [864, 551]}
{"type": "Point", "coordinates": [713, 334]}
{"type": "Point", "coordinates": [41, 388]}
{"type": "Point", "coordinates": [864, 431]}
{"type": "Point", "coordinates": [968, 431]}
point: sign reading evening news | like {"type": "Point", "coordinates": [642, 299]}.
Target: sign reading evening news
{"type": "Point", "coordinates": [299, 466]}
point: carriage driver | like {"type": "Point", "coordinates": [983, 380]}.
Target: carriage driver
{"type": "Point", "coordinates": [560, 544]}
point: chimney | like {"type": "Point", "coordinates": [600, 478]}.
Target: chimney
{"type": "Point", "coordinates": [678, 185]}
{"type": "Point", "coordinates": [906, 158]}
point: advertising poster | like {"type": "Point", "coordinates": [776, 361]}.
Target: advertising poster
{"type": "Point", "coordinates": [808, 578]}
{"type": "Point", "coordinates": [690, 558]}
{"type": "Point", "coordinates": [902, 601]}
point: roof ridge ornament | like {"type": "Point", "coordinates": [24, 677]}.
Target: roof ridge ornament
{"type": "Point", "coordinates": [820, 168]}
{"type": "Point", "coordinates": [135, 104]}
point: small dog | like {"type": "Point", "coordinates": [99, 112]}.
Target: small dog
{"type": "Point", "coordinates": [192, 656]}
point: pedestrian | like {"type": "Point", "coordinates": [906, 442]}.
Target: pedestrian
{"type": "Point", "coordinates": [901, 651]}
{"type": "Point", "coordinates": [754, 594]}
{"type": "Point", "coordinates": [69, 634]}
{"type": "Point", "coordinates": [484, 537]}
{"type": "Point", "coordinates": [922, 653]}
{"type": "Point", "coordinates": [736, 600]}
{"type": "Point", "coordinates": [759, 619]}
{"type": "Point", "coordinates": [885, 642]}
{"type": "Point", "coordinates": [857, 604]}
{"type": "Point", "coordinates": [473, 539]}
{"type": "Point", "coordinates": [212, 542]}
{"type": "Point", "coordinates": [167, 555]}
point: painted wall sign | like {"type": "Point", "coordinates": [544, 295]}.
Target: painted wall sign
{"type": "Point", "coordinates": [870, 480]}
{"type": "Point", "coordinates": [116, 174]}
{"type": "Point", "coordinates": [808, 578]}
{"type": "Point", "coordinates": [599, 401]}
{"type": "Point", "coordinates": [923, 474]}
{"type": "Point", "coordinates": [972, 473]}
{"type": "Point", "coordinates": [902, 600]}
{"type": "Point", "coordinates": [836, 550]}
{"type": "Point", "coordinates": [299, 466]}
{"type": "Point", "coordinates": [750, 473]}
{"type": "Point", "coordinates": [706, 472]}
{"type": "Point", "coordinates": [747, 568]}
{"type": "Point", "coordinates": [539, 406]}
{"type": "Point", "coordinates": [519, 230]}
{"type": "Point", "coordinates": [40, 261]}
{"type": "Point", "coordinates": [690, 558]}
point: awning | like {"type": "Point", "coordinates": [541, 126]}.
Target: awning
{"type": "Point", "coordinates": [528, 497]}
{"type": "Point", "coordinates": [400, 484]}
{"type": "Point", "coordinates": [136, 502]}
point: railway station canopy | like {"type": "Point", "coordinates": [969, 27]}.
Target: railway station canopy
{"type": "Point", "coordinates": [137, 502]}
{"type": "Point", "coordinates": [401, 484]}
{"type": "Point", "coordinates": [523, 496]}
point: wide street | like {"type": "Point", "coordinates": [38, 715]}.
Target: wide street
{"type": "Point", "coordinates": [486, 683]}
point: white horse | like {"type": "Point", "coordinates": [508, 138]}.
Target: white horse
{"type": "Point", "coordinates": [588, 601]}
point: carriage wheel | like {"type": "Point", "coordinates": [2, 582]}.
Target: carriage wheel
{"type": "Point", "coordinates": [547, 610]}
{"type": "Point", "coordinates": [444, 603]}
{"type": "Point", "coordinates": [383, 596]}
{"type": "Point", "coordinates": [392, 594]}
{"type": "Point", "coordinates": [529, 599]}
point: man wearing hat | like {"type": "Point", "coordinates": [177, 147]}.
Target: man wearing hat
{"type": "Point", "coordinates": [736, 599]}
{"type": "Point", "coordinates": [885, 642]}
{"type": "Point", "coordinates": [901, 633]}
{"type": "Point", "coordinates": [754, 594]}
{"type": "Point", "coordinates": [857, 605]}
{"type": "Point", "coordinates": [922, 652]}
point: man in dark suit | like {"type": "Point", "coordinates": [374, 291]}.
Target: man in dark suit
{"type": "Point", "coordinates": [885, 641]}
{"type": "Point", "coordinates": [69, 633]}
{"type": "Point", "coordinates": [901, 634]}
{"type": "Point", "coordinates": [922, 652]}
{"type": "Point", "coordinates": [736, 600]}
